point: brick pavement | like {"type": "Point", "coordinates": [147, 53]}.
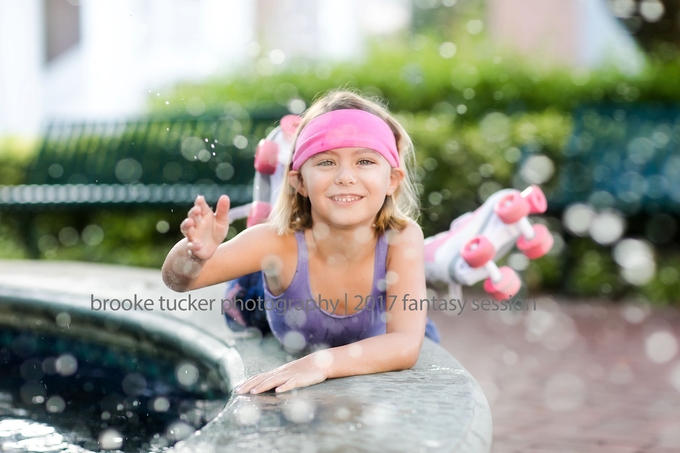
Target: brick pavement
{"type": "Point", "coordinates": [573, 376]}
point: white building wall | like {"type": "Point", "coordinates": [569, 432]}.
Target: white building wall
{"type": "Point", "coordinates": [604, 40]}
{"type": "Point", "coordinates": [341, 36]}
{"type": "Point", "coordinates": [21, 66]}
{"type": "Point", "coordinates": [576, 33]}
{"type": "Point", "coordinates": [131, 48]}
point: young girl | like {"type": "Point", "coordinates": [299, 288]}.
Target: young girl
{"type": "Point", "coordinates": [341, 255]}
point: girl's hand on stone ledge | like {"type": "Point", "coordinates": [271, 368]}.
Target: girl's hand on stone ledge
{"type": "Point", "coordinates": [204, 229]}
{"type": "Point", "coordinates": [299, 373]}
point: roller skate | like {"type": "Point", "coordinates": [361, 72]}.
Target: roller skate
{"type": "Point", "coordinates": [271, 157]}
{"type": "Point", "coordinates": [465, 254]}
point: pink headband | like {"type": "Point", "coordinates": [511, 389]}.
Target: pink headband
{"type": "Point", "coordinates": [348, 128]}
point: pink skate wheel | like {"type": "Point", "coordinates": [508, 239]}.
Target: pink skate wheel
{"type": "Point", "coordinates": [289, 126]}
{"type": "Point", "coordinates": [512, 207]}
{"type": "Point", "coordinates": [507, 287]}
{"type": "Point", "coordinates": [541, 243]}
{"type": "Point", "coordinates": [536, 199]}
{"type": "Point", "coordinates": [266, 157]}
{"type": "Point", "coordinates": [478, 251]}
{"type": "Point", "coordinates": [259, 213]}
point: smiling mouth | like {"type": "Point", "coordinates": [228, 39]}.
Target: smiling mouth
{"type": "Point", "coordinates": [346, 199]}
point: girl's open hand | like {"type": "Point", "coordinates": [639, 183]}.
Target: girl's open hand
{"type": "Point", "coordinates": [204, 229]}
{"type": "Point", "coordinates": [298, 373]}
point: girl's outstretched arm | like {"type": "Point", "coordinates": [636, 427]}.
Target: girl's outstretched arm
{"type": "Point", "coordinates": [397, 349]}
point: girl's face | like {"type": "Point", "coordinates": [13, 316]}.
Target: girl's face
{"type": "Point", "coordinates": [346, 186]}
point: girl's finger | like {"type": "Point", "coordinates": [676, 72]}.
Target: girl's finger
{"type": "Point", "coordinates": [297, 382]}
{"type": "Point", "coordinates": [197, 218]}
{"type": "Point", "coordinates": [203, 205]}
{"type": "Point", "coordinates": [222, 210]}
{"type": "Point", "coordinates": [270, 383]}
{"type": "Point", "coordinates": [260, 383]}
{"type": "Point", "coordinates": [186, 226]}
{"type": "Point", "coordinates": [290, 384]}
{"type": "Point", "coordinates": [250, 383]}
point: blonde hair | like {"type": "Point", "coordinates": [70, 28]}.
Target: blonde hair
{"type": "Point", "coordinates": [292, 211]}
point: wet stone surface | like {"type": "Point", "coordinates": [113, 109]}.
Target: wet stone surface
{"type": "Point", "coordinates": [435, 406]}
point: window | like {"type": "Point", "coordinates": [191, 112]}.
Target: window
{"type": "Point", "coordinates": [62, 26]}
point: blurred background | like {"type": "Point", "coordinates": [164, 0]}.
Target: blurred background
{"type": "Point", "coordinates": [127, 108]}
{"type": "Point", "coordinates": [574, 95]}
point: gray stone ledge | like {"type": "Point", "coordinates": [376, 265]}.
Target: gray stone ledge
{"type": "Point", "coordinates": [434, 407]}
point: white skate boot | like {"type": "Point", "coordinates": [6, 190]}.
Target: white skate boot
{"type": "Point", "coordinates": [271, 157]}
{"type": "Point", "coordinates": [465, 254]}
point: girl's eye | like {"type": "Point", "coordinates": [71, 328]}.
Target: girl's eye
{"type": "Point", "coordinates": [365, 162]}
{"type": "Point", "coordinates": [325, 163]}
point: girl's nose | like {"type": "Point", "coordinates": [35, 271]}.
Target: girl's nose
{"type": "Point", "coordinates": [345, 175]}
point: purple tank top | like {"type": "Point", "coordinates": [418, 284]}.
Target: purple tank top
{"type": "Point", "coordinates": [299, 324]}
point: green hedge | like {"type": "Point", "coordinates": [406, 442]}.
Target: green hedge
{"type": "Point", "coordinates": [414, 76]}
{"type": "Point", "coordinates": [15, 155]}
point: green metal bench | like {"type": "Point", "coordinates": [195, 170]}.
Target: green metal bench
{"type": "Point", "coordinates": [622, 156]}
{"type": "Point", "coordinates": [150, 162]}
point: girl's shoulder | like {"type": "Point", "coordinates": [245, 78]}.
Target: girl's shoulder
{"type": "Point", "coordinates": [405, 248]}
{"type": "Point", "coordinates": [411, 235]}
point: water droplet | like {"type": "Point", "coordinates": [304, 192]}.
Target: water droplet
{"type": "Point", "coordinates": [475, 27]}
{"type": "Point", "coordinates": [537, 169]}
{"type": "Point", "coordinates": [607, 227]}
{"type": "Point", "coordinates": [661, 346]}
{"type": "Point", "coordinates": [447, 50]}
{"type": "Point", "coordinates": [510, 357]}
{"type": "Point", "coordinates": [296, 106]}
{"type": "Point", "coordinates": [391, 278]}
{"type": "Point", "coordinates": [295, 318]}
{"type": "Point", "coordinates": [518, 261]}
{"type": "Point", "coordinates": [55, 404]}
{"type": "Point", "coordinates": [376, 414]}
{"type": "Point", "coordinates": [342, 413]}
{"type": "Point", "coordinates": [66, 365]}
{"type": "Point", "coordinates": [110, 439]}
{"type": "Point", "coordinates": [93, 235]}
{"type": "Point", "coordinates": [299, 411]}
{"type": "Point", "coordinates": [63, 319]}
{"type": "Point", "coordinates": [636, 259]}
{"type": "Point", "coordinates": [240, 142]}
{"type": "Point", "coordinates": [179, 430]}
{"type": "Point", "coordinates": [564, 392]}
{"type": "Point", "coordinates": [355, 351]}
{"type": "Point", "coordinates": [652, 10]}
{"type": "Point", "coordinates": [277, 56]}
{"type": "Point", "coordinates": [248, 414]}
{"type": "Point", "coordinates": [195, 106]}
{"type": "Point", "coordinates": [187, 374]}
{"type": "Point", "coordinates": [294, 341]}
{"type": "Point", "coordinates": [161, 404]}
{"type": "Point", "coordinates": [162, 226]}
{"type": "Point", "coordinates": [490, 390]}
{"type": "Point", "coordinates": [633, 313]}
